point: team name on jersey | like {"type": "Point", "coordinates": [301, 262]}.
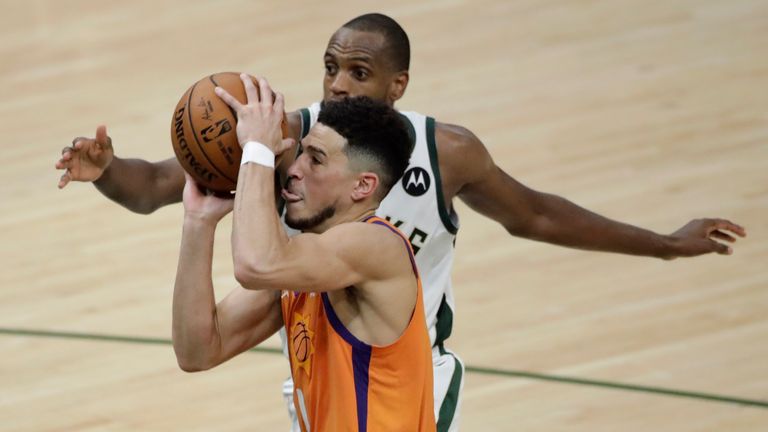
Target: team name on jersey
{"type": "Point", "coordinates": [417, 237]}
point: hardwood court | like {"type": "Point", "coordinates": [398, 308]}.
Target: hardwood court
{"type": "Point", "coordinates": [651, 113]}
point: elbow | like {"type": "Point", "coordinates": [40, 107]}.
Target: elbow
{"type": "Point", "coordinates": [249, 275]}
{"type": "Point", "coordinates": [189, 362]}
{"type": "Point", "coordinates": [536, 227]}
{"type": "Point", "coordinates": [143, 207]}
{"type": "Point", "coordinates": [190, 367]}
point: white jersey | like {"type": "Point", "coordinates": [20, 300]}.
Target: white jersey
{"type": "Point", "coordinates": [416, 206]}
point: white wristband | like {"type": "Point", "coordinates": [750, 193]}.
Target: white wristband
{"type": "Point", "coordinates": [258, 153]}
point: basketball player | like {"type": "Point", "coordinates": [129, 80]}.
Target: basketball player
{"type": "Point", "coordinates": [370, 56]}
{"type": "Point", "coordinates": [346, 290]}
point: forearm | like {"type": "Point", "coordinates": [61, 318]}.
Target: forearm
{"type": "Point", "coordinates": [258, 238]}
{"type": "Point", "coordinates": [196, 338]}
{"type": "Point", "coordinates": [559, 221]}
{"type": "Point", "coordinates": [142, 186]}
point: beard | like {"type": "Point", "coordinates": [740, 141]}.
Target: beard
{"type": "Point", "coordinates": [312, 221]}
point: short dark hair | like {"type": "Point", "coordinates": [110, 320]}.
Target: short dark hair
{"type": "Point", "coordinates": [376, 134]}
{"type": "Point", "coordinates": [397, 42]}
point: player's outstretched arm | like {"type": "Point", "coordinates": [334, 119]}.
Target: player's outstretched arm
{"type": "Point", "coordinates": [524, 212]}
{"type": "Point", "coordinates": [136, 184]}
{"type": "Point", "coordinates": [206, 334]}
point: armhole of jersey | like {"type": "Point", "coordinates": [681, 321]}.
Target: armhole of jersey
{"type": "Point", "coordinates": [304, 121]}
{"type": "Point", "coordinates": [375, 220]}
{"type": "Point", "coordinates": [450, 219]}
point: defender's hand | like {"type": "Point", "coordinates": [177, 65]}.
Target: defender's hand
{"type": "Point", "coordinates": [260, 119]}
{"type": "Point", "coordinates": [204, 206]}
{"type": "Point", "coordinates": [700, 237]}
{"type": "Point", "coordinates": [86, 159]}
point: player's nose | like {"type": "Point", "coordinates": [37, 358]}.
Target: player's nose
{"type": "Point", "coordinates": [339, 86]}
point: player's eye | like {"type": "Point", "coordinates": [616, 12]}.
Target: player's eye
{"type": "Point", "coordinates": [360, 74]}
{"type": "Point", "coordinates": [331, 69]}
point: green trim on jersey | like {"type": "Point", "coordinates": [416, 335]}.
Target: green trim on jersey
{"type": "Point", "coordinates": [443, 323]}
{"type": "Point", "coordinates": [304, 121]}
{"type": "Point", "coordinates": [447, 217]}
{"type": "Point", "coordinates": [451, 401]}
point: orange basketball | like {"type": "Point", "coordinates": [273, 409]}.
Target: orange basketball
{"type": "Point", "coordinates": [203, 132]}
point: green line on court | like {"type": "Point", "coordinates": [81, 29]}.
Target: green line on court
{"type": "Point", "coordinates": [107, 338]}
{"type": "Point", "coordinates": [615, 385]}
{"type": "Point", "coordinates": [470, 369]}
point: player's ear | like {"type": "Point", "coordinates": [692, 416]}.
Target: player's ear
{"type": "Point", "coordinates": [397, 86]}
{"type": "Point", "coordinates": [366, 185]}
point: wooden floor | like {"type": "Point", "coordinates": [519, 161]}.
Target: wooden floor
{"type": "Point", "coordinates": [652, 113]}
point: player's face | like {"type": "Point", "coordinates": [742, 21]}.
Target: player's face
{"type": "Point", "coordinates": [319, 181]}
{"type": "Point", "coordinates": [355, 65]}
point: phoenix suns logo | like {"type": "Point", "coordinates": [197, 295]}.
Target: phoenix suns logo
{"type": "Point", "coordinates": [302, 346]}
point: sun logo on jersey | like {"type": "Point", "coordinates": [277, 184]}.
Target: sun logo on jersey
{"type": "Point", "coordinates": [301, 343]}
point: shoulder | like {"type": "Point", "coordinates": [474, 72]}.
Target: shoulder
{"type": "Point", "coordinates": [370, 246]}
{"type": "Point", "coordinates": [455, 140]}
{"type": "Point", "coordinates": [294, 123]}
{"type": "Point", "coordinates": [371, 235]}
{"type": "Point", "coordinates": [463, 157]}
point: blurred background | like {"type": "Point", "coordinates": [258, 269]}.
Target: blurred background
{"type": "Point", "coordinates": [652, 113]}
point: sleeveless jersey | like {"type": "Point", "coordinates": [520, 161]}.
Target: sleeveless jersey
{"type": "Point", "coordinates": [415, 205]}
{"type": "Point", "coordinates": [344, 384]}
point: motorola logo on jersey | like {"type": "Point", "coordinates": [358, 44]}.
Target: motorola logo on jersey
{"type": "Point", "coordinates": [416, 181]}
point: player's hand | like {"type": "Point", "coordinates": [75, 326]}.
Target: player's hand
{"type": "Point", "coordinates": [202, 205]}
{"type": "Point", "coordinates": [260, 119]}
{"type": "Point", "coordinates": [86, 159]}
{"type": "Point", "coordinates": [702, 236]}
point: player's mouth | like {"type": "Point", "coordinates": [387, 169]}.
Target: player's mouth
{"type": "Point", "coordinates": [289, 197]}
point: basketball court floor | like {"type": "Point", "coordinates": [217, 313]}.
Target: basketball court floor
{"type": "Point", "coordinates": [652, 113]}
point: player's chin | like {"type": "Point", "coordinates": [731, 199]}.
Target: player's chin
{"type": "Point", "coordinates": [295, 210]}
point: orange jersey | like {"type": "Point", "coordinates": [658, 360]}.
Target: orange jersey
{"type": "Point", "coordinates": [345, 384]}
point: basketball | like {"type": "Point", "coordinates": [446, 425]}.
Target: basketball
{"type": "Point", "coordinates": [203, 132]}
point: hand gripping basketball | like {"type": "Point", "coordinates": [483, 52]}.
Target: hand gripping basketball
{"type": "Point", "coordinates": [205, 129]}
{"type": "Point", "coordinates": [260, 118]}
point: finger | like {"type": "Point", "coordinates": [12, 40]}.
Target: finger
{"type": "Point", "coordinates": [723, 224]}
{"type": "Point", "coordinates": [79, 142]}
{"type": "Point", "coordinates": [64, 179]}
{"type": "Point", "coordinates": [228, 99]}
{"type": "Point", "coordinates": [279, 106]}
{"type": "Point", "coordinates": [101, 135]}
{"type": "Point", "coordinates": [66, 150]}
{"type": "Point", "coordinates": [722, 236]}
{"type": "Point", "coordinates": [266, 92]}
{"type": "Point", "coordinates": [251, 92]}
{"type": "Point", "coordinates": [721, 248]}
{"type": "Point", "coordinates": [285, 145]}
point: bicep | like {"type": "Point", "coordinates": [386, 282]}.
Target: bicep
{"type": "Point", "coordinates": [245, 318]}
{"type": "Point", "coordinates": [473, 176]}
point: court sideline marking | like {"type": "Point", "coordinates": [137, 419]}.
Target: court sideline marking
{"type": "Point", "coordinates": [470, 369]}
